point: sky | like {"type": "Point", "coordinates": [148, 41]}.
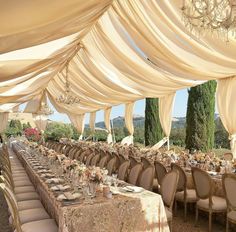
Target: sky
{"type": "Point", "coordinates": [180, 107]}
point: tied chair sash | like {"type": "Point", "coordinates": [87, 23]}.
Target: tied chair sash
{"type": "Point", "coordinates": [160, 143]}
{"type": "Point", "coordinates": [232, 139]}
{"type": "Point", "coordinates": [128, 140]}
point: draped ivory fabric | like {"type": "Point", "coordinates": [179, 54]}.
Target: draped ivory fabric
{"type": "Point", "coordinates": [165, 114]}
{"type": "Point", "coordinates": [78, 122]}
{"type": "Point", "coordinates": [27, 23]}
{"type": "Point", "coordinates": [226, 97]}
{"type": "Point", "coordinates": [92, 120]}
{"type": "Point", "coordinates": [129, 108]}
{"type": "Point", "coordinates": [107, 114]}
{"type": "Point", "coordinates": [3, 120]}
{"type": "Point", "coordinates": [136, 49]}
{"type": "Point", "coordinates": [40, 121]}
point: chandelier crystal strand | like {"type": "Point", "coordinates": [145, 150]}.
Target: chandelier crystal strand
{"type": "Point", "coordinates": [214, 16]}
{"type": "Point", "coordinates": [45, 109]}
{"type": "Point", "coordinates": [67, 97]}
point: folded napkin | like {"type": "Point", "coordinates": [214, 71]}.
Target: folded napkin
{"type": "Point", "coordinates": [42, 171]}
{"type": "Point", "coordinates": [60, 187]}
{"type": "Point", "coordinates": [68, 196]}
{"type": "Point", "coordinates": [54, 180]}
{"type": "Point", "coordinates": [47, 175]}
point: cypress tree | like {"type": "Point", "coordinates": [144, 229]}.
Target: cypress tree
{"type": "Point", "coordinates": [200, 125]}
{"type": "Point", "coordinates": [153, 130]}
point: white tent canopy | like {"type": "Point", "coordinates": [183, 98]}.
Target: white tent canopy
{"type": "Point", "coordinates": [115, 51]}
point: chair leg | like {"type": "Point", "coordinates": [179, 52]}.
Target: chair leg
{"type": "Point", "coordinates": [210, 221]}
{"type": "Point", "coordinates": [196, 216]}
{"type": "Point", "coordinates": [175, 207]}
{"type": "Point", "coordinates": [185, 210]}
{"type": "Point", "coordinates": [227, 224]}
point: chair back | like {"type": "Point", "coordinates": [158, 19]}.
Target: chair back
{"type": "Point", "coordinates": [134, 174]}
{"type": "Point", "coordinates": [146, 162]}
{"type": "Point", "coordinates": [111, 166]}
{"type": "Point", "coordinates": [133, 161]}
{"type": "Point", "coordinates": [160, 171]}
{"type": "Point", "coordinates": [229, 186]}
{"type": "Point", "coordinates": [103, 161]}
{"type": "Point", "coordinates": [182, 183]}
{"type": "Point", "coordinates": [168, 188]}
{"type": "Point", "coordinates": [82, 156]}
{"type": "Point", "coordinates": [12, 204]}
{"type": "Point", "coordinates": [94, 160]}
{"type": "Point", "coordinates": [202, 182]}
{"type": "Point", "coordinates": [88, 159]}
{"type": "Point", "coordinates": [123, 170]}
{"type": "Point", "coordinates": [71, 153]}
{"type": "Point", "coordinates": [228, 156]}
{"type": "Point", "coordinates": [146, 178]}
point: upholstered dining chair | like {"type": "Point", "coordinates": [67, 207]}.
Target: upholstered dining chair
{"type": "Point", "coordinates": [168, 190]}
{"type": "Point", "coordinates": [146, 162]}
{"type": "Point", "coordinates": [160, 172]}
{"type": "Point", "coordinates": [111, 166]}
{"type": "Point", "coordinates": [182, 193]}
{"type": "Point", "coordinates": [103, 161]}
{"type": "Point", "coordinates": [228, 156]}
{"type": "Point", "coordinates": [134, 173]}
{"type": "Point", "coordinates": [39, 224]}
{"type": "Point", "coordinates": [146, 178]}
{"type": "Point", "coordinates": [206, 200]}
{"type": "Point", "coordinates": [229, 186]}
{"type": "Point", "coordinates": [123, 170]}
{"type": "Point", "coordinates": [94, 160]}
{"type": "Point", "coordinates": [88, 159]}
{"type": "Point", "coordinates": [133, 161]}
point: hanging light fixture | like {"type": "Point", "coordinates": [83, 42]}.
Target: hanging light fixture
{"type": "Point", "coordinates": [67, 97]}
{"type": "Point", "coordinates": [210, 15]}
{"type": "Point", "coordinates": [45, 109]}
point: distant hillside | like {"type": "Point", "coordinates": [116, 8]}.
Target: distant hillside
{"type": "Point", "coordinates": [178, 122]}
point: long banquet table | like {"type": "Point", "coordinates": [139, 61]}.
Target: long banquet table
{"type": "Point", "coordinates": [143, 211]}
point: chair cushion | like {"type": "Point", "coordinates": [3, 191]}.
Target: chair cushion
{"type": "Point", "coordinates": [20, 178]}
{"type": "Point", "coordinates": [47, 225]}
{"type": "Point", "coordinates": [219, 204]}
{"type": "Point", "coordinates": [24, 189]}
{"type": "Point", "coordinates": [30, 215]}
{"type": "Point", "coordinates": [27, 196]}
{"type": "Point", "coordinates": [19, 175]}
{"type": "Point", "coordinates": [20, 183]}
{"type": "Point", "coordinates": [190, 196]}
{"type": "Point", "coordinates": [18, 172]}
{"type": "Point", "coordinates": [169, 214]}
{"type": "Point", "coordinates": [232, 215]}
{"type": "Point", "coordinates": [31, 204]}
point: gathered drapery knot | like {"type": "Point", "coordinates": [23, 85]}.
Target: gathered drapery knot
{"type": "Point", "coordinates": [232, 139]}
{"type": "Point", "coordinates": [161, 143]}
{"type": "Point", "coordinates": [128, 140]}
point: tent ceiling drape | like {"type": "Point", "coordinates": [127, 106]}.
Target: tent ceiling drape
{"type": "Point", "coordinates": [116, 52]}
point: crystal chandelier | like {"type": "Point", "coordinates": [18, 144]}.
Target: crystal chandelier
{"type": "Point", "coordinates": [67, 98]}
{"type": "Point", "coordinates": [45, 110]}
{"type": "Point", "coordinates": [210, 15]}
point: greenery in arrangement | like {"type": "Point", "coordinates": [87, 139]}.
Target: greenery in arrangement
{"type": "Point", "coordinates": [153, 130]}
{"type": "Point", "coordinates": [200, 125]}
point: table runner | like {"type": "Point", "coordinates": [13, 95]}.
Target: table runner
{"type": "Point", "coordinates": [125, 212]}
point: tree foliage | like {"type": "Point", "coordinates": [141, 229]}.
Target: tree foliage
{"type": "Point", "coordinates": [153, 130]}
{"type": "Point", "coordinates": [200, 117]}
{"type": "Point", "coordinates": [55, 131]}
{"type": "Point", "coordinates": [14, 128]}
